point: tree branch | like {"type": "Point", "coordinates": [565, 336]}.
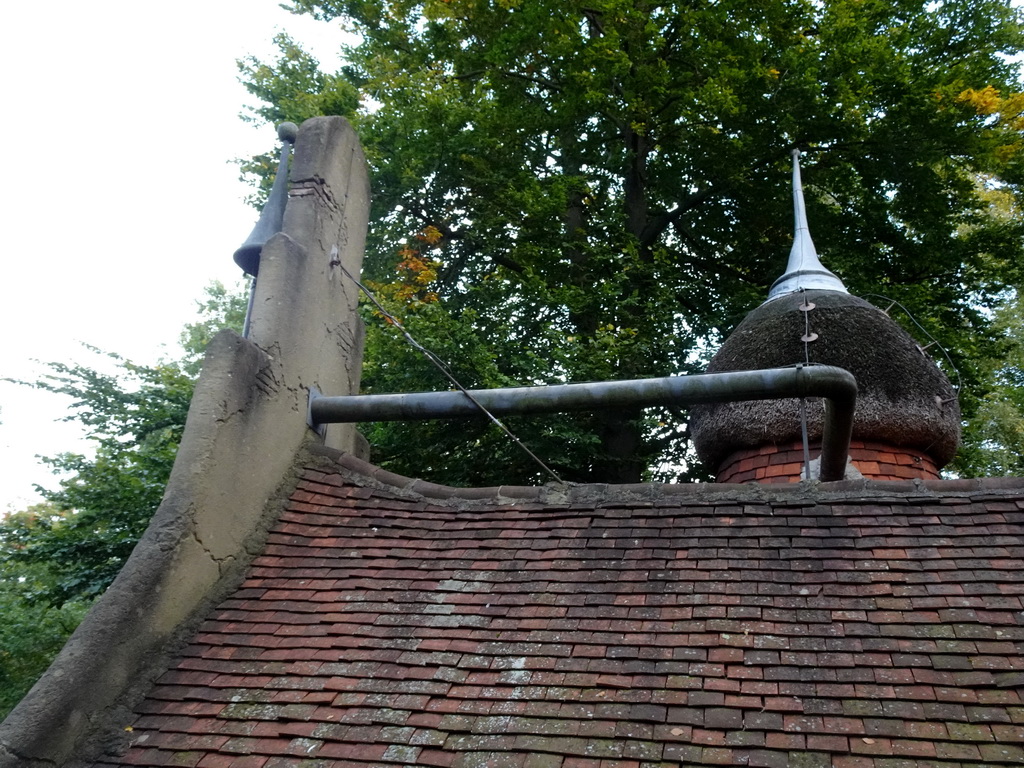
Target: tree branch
{"type": "Point", "coordinates": [659, 224]}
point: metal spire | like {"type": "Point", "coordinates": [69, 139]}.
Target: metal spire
{"type": "Point", "coordinates": [804, 271]}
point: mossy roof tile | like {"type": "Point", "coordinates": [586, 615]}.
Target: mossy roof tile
{"type": "Point", "coordinates": [648, 628]}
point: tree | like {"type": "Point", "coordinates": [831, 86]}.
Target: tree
{"type": "Point", "coordinates": [32, 631]}
{"type": "Point", "coordinates": [134, 415]}
{"type": "Point", "coordinates": [993, 441]}
{"type": "Point", "coordinates": [221, 307]}
{"type": "Point", "coordinates": [56, 557]}
{"type": "Point", "coordinates": [599, 189]}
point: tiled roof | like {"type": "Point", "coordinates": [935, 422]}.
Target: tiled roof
{"type": "Point", "coordinates": [651, 626]}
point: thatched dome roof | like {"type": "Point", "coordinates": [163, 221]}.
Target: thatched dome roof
{"type": "Point", "coordinates": [903, 400]}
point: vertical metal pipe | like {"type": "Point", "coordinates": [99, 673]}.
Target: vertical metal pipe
{"type": "Point", "coordinates": [248, 309]}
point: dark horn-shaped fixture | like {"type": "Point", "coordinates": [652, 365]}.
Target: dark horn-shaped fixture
{"type": "Point", "coordinates": [271, 219]}
{"type": "Point", "coordinates": [272, 216]}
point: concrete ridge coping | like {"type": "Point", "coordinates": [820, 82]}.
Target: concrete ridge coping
{"type": "Point", "coordinates": [210, 524]}
{"type": "Point", "coordinates": [234, 471]}
{"type": "Point", "coordinates": [367, 474]}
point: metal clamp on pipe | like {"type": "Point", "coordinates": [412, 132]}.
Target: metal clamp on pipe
{"type": "Point", "coordinates": [836, 385]}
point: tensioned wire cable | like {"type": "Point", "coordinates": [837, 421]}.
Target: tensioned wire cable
{"type": "Point", "coordinates": [932, 340]}
{"type": "Point", "coordinates": [807, 339]}
{"type": "Point", "coordinates": [443, 368]}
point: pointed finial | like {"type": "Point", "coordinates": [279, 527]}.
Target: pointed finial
{"type": "Point", "coordinates": [804, 270]}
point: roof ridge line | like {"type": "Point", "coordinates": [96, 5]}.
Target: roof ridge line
{"type": "Point", "coordinates": [365, 473]}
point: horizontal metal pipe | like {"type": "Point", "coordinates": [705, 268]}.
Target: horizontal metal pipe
{"type": "Point", "coordinates": [836, 385]}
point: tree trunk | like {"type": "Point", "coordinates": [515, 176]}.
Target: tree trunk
{"type": "Point", "coordinates": [621, 432]}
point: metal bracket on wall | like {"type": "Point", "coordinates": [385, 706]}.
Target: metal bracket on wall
{"type": "Point", "coordinates": [321, 427]}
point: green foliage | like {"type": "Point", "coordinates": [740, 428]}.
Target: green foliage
{"type": "Point", "coordinates": [32, 631]}
{"type": "Point", "coordinates": [221, 308]}
{"type": "Point", "coordinates": [56, 557]}
{"type": "Point", "coordinates": [993, 442]}
{"type": "Point", "coordinates": [482, 453]}
{"type": "Point", "coordinates": [294, 89]}
{"type": "Point", "coordinates": [134, 416]}
{"type": "Point", "coordinates": [603, 187]}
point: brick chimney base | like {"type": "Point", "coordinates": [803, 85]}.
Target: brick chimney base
{"type": "Point", "coordinates": [784, 463]}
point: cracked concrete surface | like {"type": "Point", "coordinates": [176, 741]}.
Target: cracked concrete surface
{"type": "Point", "coordinates": [234, 468]}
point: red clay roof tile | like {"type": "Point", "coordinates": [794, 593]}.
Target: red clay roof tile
{"type": "Point", "coordinates": [380, 628]}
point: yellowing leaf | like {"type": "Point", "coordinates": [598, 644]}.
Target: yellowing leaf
{"type": "Point", "coordinates": [985, 102]}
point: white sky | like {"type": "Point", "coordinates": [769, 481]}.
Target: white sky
{"type": "Point", "coordinates": [120, 201]}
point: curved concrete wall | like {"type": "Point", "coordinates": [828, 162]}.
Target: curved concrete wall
{"type": "Point", "coordinates": [246, 424]}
